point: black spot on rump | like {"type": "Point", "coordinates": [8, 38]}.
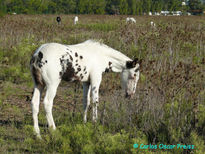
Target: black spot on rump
{"type": "Point", "coordinates": [81, 57]}
{"type": "Point", "coordinates": [76, 54]}
{"type": "Point", "coordinates": [69, 73]}
{"type": "Point", "coordinates": [79, 69]}
{"type": "Point", "coordinates": [61, 60]}
{"type": "Point", "coordinates": [71, 58]}
{"type": "Point", "coordinates": [40, 55]}
{"type": "Point", "coordinates": [39, 61]}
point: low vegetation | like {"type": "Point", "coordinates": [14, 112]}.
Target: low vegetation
{"type": "Point", "coordinates": [169, 106]}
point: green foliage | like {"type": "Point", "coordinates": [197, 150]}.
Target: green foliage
{"type": "Point", "coordinates": [91, 6]}
{"type": "Point", "coordinates": [174, 5]}
{"type": "Point", "coordinates": [195, 4]}
{"type": "Point", "coordinates": [2, 8]}
{"type": "Point", "coordinates": [201, 115]}
{"type": "Point", "coordinates": [123, 7]}
{"type": "Point", "coordinates": [116, 143]}
{"type": "Point", "coordinates": [198, 143]}
{"type": "Point", "coordinates": [18, 61]}
{"type": "Point", "coordinates": [146, 6]}
{"type": "Point", "coordinates": [94, 6]}
{"type": "Point", "coordinates": [1, 14]}
{"type": "Point", "coordinates": [81, 138]}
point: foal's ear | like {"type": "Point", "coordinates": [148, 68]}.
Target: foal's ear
{"type": "Point", "coordinates": [131, 64]}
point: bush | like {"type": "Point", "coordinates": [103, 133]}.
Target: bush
{"type": "Point", "coordinates": [17, 60]}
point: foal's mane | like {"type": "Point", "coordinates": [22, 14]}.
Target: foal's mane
{"type": "Point", "coordinates": [108, 50]}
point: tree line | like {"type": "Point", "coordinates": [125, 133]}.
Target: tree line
{"type": "Point", "coordinates": [131, 7]}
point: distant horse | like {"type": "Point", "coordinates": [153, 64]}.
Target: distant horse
{"type": "Point", "coordinates": [130, 20]}
{"type": "Point", "coordinates": [58, 19]}
{"type": "Point", "coordinates": [75, 21]}
{"type": "Point", "coordinates": [85, 62]}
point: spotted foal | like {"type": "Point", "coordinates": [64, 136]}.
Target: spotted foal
{"type": "Point", "coordinates": [84, 62]}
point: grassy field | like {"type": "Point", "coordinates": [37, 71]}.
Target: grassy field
{"type": "Point", "coordinates": [169, 105]}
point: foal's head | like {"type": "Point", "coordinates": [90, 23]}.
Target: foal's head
{"type": "Point", "coordinates": [130, 77]}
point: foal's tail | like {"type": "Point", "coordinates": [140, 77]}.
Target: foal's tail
{"type": "Point", "coordinates": [36, 73]}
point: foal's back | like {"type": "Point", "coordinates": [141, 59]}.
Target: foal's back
{"type": "Point", "coordinates": [70, 62]}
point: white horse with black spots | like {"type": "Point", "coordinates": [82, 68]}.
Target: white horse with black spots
{"type": "Point", "coordinates": [85, 62]}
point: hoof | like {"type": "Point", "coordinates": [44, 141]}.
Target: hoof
{"type": "Point", "coordinates": [39, 136]}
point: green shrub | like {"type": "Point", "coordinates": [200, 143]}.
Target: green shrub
{"type": "Point", "coordinates": [198, 143]}
{"type": "Point", "coordinates": [2, 14]}
{"type": "Point", "coordinates": [81, 138]}
{"type": "Point", "coordinates": [18, 59]}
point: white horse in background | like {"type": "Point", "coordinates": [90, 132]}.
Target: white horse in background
{"type": "Point", "coordinates": [85, 62]}
{"type": "Point", "coordinates": [130, 20]}
{"type": "Point", "coordinates": [75, 20]}
{"type": "Point", "coordinates": [152, 24]}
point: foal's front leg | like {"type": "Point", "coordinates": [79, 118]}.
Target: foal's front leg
{"type": "Point", "coordinates": [86, 99]}
{"type": "Point", "coordinates": [95, 103]}
{"type": "Point", "coordinates": [95, 84]}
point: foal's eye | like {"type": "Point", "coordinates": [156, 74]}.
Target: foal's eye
{"type": "Point", "coordinates": [133, 76]}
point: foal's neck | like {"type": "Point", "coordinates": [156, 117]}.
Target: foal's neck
{"type": "Point", "coordinates": [118, 63]}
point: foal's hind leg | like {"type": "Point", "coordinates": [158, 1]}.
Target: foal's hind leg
{"type": "Point", "coordinates": [35, 107]}
{"type": "Point", "coordinates": [48, 104]}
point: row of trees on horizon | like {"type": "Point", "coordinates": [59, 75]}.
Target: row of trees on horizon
{"type": "Point", "coordinates": [132, 7]}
